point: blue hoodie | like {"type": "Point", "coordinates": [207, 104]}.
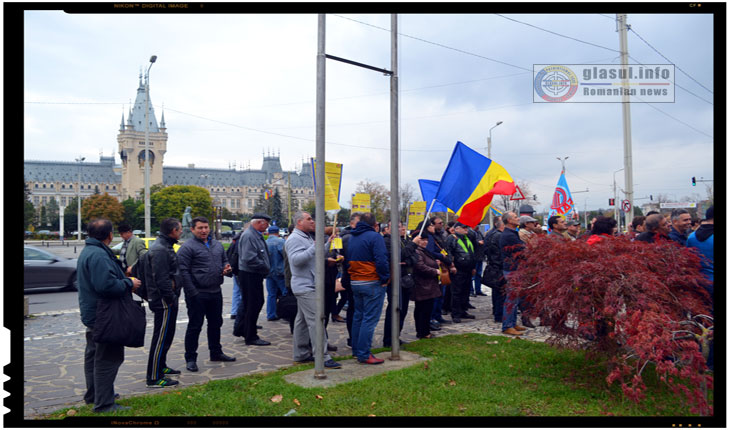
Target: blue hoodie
{"type": "Point", "coordinates": [367, 256]}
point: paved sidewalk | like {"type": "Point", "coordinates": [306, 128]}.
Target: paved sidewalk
{"type": "Point", "coordinates": [54, 347]}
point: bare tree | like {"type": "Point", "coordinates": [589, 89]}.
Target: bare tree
{"type": "Point", "coordinates": [406, 195]}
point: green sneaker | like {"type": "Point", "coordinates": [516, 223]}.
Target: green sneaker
{"type": "Point", "coordinates": [168, 371]}
{"type": "Point", "coordinates": [162, 382]}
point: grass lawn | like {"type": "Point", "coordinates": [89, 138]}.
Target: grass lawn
{"type": "Point", "coordinates": [468, 375]}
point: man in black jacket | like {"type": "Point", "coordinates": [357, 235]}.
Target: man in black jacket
{"type": "Point", "coordinates": [407, 256]}
{"type": "Point", "coordinates": [462, 250]}
{"type": "Point", "coordinates": [203, 263]}
{"type": "Point", "coordinates": [477, 238]}
{"type": "Point", "coordinates": [494, 268]}
{"type": "Point", "coordinates": [163, 295]}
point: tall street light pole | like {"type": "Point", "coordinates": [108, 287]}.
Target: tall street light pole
{"type": "Point", "coordinates": [78, 197]}
{"type": "Point", "coordinates": [626, 115]}
{"type": "Point", "coordinates": [615, 199]}
{"type": "Point", "coordinates": [489, 155]}
{"type": "Point", "coordinates": [147, 221]}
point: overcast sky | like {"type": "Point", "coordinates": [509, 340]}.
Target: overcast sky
{"type": "Point", "coordinates": [234, 86]}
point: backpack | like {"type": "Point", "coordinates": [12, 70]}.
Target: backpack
{"type": "Point", "coordinates": [142, 270]}
{"type": "Point", "coordinates": [232, 255]}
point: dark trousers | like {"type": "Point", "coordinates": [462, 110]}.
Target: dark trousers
{"type": "Point", "coordinates": [498, 303]}
{"type": "Point", "coordinates": [405, 295]}
{"type": "Point", "coordinates": [349, 315]}
{"type": "Point", "coordinates": [252, 289]}
{"type": "Point", "coordinates": [341, 302]}
{"type": "Point", "coordinates": [438, 304]}
{"type": "Point", "coordinates": [477, 278]}
{"type": "Point", "coordinates": [164, 332]}
{"type": "Point", "coordinates": [101, 364]}
{"type": "Point", "coordinates": [204, 306]}
{"type": "Point", "coordinates": [422, 317]}
{"type": "Point", "coordinates": [446, 303]}
{"type": "Point", "coordinates": [460, 283]}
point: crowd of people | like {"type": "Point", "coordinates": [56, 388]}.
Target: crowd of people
{"type": "Point", "coordinates": [442, 266]}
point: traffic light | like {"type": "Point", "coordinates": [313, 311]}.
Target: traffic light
{"type": "Point", "coordinates": [611, 202]}
{"type": "Point", "coordinates": [694, 182]}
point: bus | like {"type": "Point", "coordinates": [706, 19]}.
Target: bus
{"type": "Point", "coordinates": [230, 227]}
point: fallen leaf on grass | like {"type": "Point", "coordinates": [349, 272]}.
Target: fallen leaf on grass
{"type": "Point", "coordinates": [509, 340]}
{"type": "Point", "coordinates": [462, 408]}
{"type": "Point", "coordinates": [190, 397]}
{"type": "Point", "coordinates": [297, 402]}
{"type": "Point", "coordinates": [371, 415]}
{"type": "Point", "coordinates": [177, 392]}
{"type": "Point", "coordinates": [511, 366]}
{"type": "Point", "coordinates": [425, 365]}
{"type": "Point", "coordinates": [71, 412]}
{"type": "Point", "coordinates": [277, 398]}
{"type": "Point", "coordinates": [494, 355]}
{"type": "Point", "coordinates": [494, 342]}
{"type": "Point", "coordinates": [452, 382]}
{"type": "Point", "coordinates": [319, 397]}
{"type": "Point", "coordinates": [372, 405]}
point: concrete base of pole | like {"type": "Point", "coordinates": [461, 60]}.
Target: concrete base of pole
{"type": "Point", "coordinates": [25, 307]}
{"type": "Point", "coordinates": [320, 375]}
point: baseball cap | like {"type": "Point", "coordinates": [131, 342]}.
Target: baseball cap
{"type": "Point", "coordinates": [273, 229]}
{"type": "Point", "coordinates": [573, 222]}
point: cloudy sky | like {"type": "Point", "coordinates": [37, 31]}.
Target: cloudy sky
{"type": "Point", "coordinates": [234, 86]}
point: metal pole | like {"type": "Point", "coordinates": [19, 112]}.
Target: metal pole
{"type": "Point", "coordinates": [394, 204]}
{"type": "Point", "coordinates": [60, 223]}
{"type": "Point", "coordinates": [626, 111]}
{"type": "Point", "coordinates": [489, 155]}
{"type": "Point", "coordinates": [318, 342]}
{"type": "Point", "coordinates": [147, 221]}
{"type": "Point", "coordinates": [78, 199]}
{"type": "Point", "coordinates": [615, 197]}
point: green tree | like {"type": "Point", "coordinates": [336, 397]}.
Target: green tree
{"type": "Point", "coordinates": [130, 213]}
{"type": "Point", "coordinates": [52, 212]}
{"type": "Point", "coordinates": [343, 217]}
{"type": "Point", "coordinates": [276, 212]}
{"type": "Point", "coordinates": [42, 223]}
{"type": "Point", "coordinates": [70, 216]}
{"type": "Point", "coordinates": [102, 206]}
{"type": "Point", "coordinates": [28, 208]}
{"type": "Point", "coordinates": [379, 197]}
{"type": "Point", "coordinates": [309, 207]}
{"type": "Point", "coordinates": [171, 202]}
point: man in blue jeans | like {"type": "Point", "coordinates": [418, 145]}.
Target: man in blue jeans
{"type": "Point", "coordinates": [510, 244]}
{"type": "Point", "coordinates": [275, 284]}
{"type": "Point", "coordinates": [366, 259]}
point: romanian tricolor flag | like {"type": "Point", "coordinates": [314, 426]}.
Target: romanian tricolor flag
{"type": "Point", "coordinates": [469, 183]}
{"type": "Point", "coordinates": [268, 194]}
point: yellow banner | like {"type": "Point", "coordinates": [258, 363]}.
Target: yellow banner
{"type": "Point", "coordinates": [332, 181]}
{"type": "Point", "coordinates": [416, 213]}
{"type": "Point", "coordinates": [361, 202]}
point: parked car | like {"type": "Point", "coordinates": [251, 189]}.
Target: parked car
{"type": "Point", "coordinates": [43, 269]}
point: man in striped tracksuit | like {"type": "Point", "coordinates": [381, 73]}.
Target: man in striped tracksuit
{"type": "Point", "coordinates": [163, 295]}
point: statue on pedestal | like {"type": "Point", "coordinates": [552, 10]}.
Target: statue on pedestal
{"type": "Point", "coordinates": [187, 219]}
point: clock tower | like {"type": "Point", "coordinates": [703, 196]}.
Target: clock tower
{"type": "Point", "coordinates": [131, 142]}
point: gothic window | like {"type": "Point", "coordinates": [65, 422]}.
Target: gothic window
{"type": "Point", "coordinates": [63, 186]}
{"type": "Point", "coordinates": [36, 185]}
{"type": "Point", "coordinates": [141, 157]}
{"type": "Point", "coordinates": [44, 185]}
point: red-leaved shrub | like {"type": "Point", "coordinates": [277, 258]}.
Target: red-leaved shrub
{"type": "Point", "coordinates": [625, 300]}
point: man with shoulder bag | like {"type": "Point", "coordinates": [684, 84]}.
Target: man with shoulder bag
{"type": "Point", "coordinates": [100, 277]}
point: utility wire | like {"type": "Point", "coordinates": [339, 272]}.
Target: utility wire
{"type": "Point", "coordinates": [676, 84]}
{"type": "Point", "coordinates": [670, 61]}
{"type": "Point", "coordinates": [436, 44]}
{"type": "Point", "coordinates": [558, 34]}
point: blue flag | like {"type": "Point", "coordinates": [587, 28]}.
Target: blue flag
{"type": "Point", "coordinates": [562, 199]}
{"type": "Point", "coordinates": [428, 191]}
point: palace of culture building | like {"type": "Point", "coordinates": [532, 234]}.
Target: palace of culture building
{"type": "Point", "coordinates": [236, 190]}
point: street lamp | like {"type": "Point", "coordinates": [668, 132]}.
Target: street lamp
{"type": "Point", "coordinates": [78, 197]}
{"type": "Point", "coordinates": [489, 155]}
{"type": "Point", "coordinates": [562, 160]}
{"type": "Point", "coordinates": [615, 199]}
{"type": "Point", "coordinates": [147, 223]}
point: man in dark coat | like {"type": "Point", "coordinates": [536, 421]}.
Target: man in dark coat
{"type": "Point", "coordinates": [462, 250]}
{"type": "Point", "coordinates": [163, 295]}
{"type": "Point", "coordinates": [253, 266]}
{"type": "Point", "coordinates": [494, 268]}
{"type": "Point", "coordinates": [100, 275]}
{"type": "Point", "coordinates": [510, 245]}
{"type": "Point", "coordinates": [681, 222]}
{"type": "Point", "coordinates": [656, 227]}
{"type": "Point", "coordinates": [203, 263]}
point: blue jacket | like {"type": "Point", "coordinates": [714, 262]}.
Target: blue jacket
{"type": "Point", "coordinates": [704, 240]}
{"type": "Point", "coordinates": [201, 266]}
{"type": "Point", "coordinates": [366, 255]}
{"type": "Point", "coordinates": [276, 257]}
{"type": "Point", "coordinates": [99, 275]}
{"type": "Point", "coordinates": [510, 244]}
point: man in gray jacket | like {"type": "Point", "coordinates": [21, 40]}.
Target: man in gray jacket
{"type": "Point", "coordinates": [300, 252]}
{"type": "Point", "coordinates": [203, 263]}
{"type": "Point", "coordinates": [253, 267]}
